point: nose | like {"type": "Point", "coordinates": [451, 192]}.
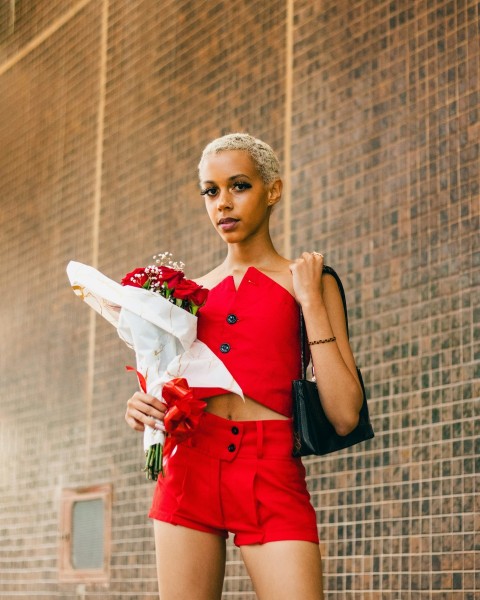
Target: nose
{"type": "Point", "coordinates": [224, 200]}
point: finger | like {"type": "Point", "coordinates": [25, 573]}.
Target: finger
{"type": "Point", "coordinates": [154, 423]}
{"type": "Point", "coordinates": [310, 258]}
{"type": "Point", "coordinates": [301, 259]}
{"type": "Point", "coordinates": [146, 398]}
{"type": "Point", "coordinates": [144, 409]}
{"type": "Point", "coordinates": [307, 259]}
{"type": "Point", "coordinates": [133, 423]}
{"type": "Point", "coordinates": [138, 419]}
{"type": "Point", "coordinates": [319, 260]}
{"type": "Point", "coordinates": [148, 405]}
{"type": "Point", "coordinates": [315, 260]}
{"type": "Point", "coordinates": [154, 413]}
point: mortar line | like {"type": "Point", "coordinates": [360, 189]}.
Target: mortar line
{"type": "Point", "coordinates": [11, 24]}
{"type": "Point", "coordinates": [96, 223]}
{"type": "Point", "coordinates": [42, 36]}
{"type": "Point", "coordinates": [287, 202]}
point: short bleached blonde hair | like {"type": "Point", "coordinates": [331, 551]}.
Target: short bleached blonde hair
{"type": "Point", "coordinates": [261, 153]}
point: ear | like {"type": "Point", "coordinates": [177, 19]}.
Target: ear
{"type": "Point", "coordinates": [275, 192]}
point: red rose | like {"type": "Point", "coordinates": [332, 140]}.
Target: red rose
{"type": "Point", "coordinates": [191, 291]}
{"type": "Point", "coordinates": [185, 289]}
{"type": "Point", "coordinates": [170, 276]}
{"type": "Point", "coordinates": [137, 278]}
{"type": "Point", "coordinates": [199, 296]}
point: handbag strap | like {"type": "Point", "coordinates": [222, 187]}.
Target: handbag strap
{"type": "Point", "coordinates": [302, 344]}
{"type": "Point", "coordinates": [303, 337]}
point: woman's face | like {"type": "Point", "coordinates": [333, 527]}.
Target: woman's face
{"type": "Point", "coordinates": [238, 202]}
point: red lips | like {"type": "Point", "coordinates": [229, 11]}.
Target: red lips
{"type": "Point", "coordinates": [227, 221]}
{"type": "Point", "coordinates": [228, 224]}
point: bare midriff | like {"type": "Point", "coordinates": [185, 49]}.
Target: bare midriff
{"type": "Point", "coordinates": [232, 407]}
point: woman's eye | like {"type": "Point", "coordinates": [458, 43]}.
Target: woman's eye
{"type": "Point", "coordinates": [241, 185]}
{"type": "Point", "coordinates": [208, 191]}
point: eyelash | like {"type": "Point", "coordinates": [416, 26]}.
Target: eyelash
{"type": "Point", "coordinates": [240, 185]}
{"type": "Point", "coordinates": [207, 190]}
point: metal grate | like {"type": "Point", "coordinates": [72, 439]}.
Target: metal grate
{"type": "Point", "coordinates": [88, 534]}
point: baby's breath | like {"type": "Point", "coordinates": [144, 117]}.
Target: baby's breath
{"type": "Point", "coordinates": [165, 259]}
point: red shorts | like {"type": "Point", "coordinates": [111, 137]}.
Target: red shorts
{"type": "Point", "coordinates": [239, 477]}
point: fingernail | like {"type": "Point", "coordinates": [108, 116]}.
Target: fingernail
{"type": "Point", "coordinates": [159, 425]}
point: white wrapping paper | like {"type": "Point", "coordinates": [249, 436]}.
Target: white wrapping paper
{"type": "Point", "coordinates": [162, 335]}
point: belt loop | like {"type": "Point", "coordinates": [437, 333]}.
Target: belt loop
{"type": "Point", "coordinates": [259, 439]}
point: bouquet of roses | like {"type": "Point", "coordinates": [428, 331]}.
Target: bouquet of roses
{"type": "Point", "coordinates": [166, 278]}
{"type": "Point", "coordinates": [154, 311]}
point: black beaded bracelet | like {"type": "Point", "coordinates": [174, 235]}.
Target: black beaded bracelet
{"type": "Point", "coordinates": [325, 341]}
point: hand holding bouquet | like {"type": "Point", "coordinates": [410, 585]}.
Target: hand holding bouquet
{"type": "Point", "coordinates": [166, 278]}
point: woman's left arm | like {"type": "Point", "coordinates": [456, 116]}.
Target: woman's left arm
{"type": "Point", "coordinates": [333, 362]}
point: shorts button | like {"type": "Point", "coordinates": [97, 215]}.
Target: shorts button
{"type": "Point", "coordinates": [231, 448]}
{"type": "Point", "coordinates": [224, 348]}
{"type": "Point", "coordinates": [232, 319]}
{"type": "Point", "coordinates": [235, 430]}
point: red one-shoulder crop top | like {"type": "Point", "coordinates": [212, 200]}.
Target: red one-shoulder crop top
{"type": "Point", "coordinates": [254, 331]}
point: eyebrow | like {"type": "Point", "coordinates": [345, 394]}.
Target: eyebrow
{"type": "Point", "coordinates": [230, 178]}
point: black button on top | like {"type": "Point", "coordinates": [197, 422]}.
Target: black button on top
{"type": "Point", "coordinates": [224, 348]}
{"type": "Point", "coordinates": [232, 319]}
{"type": "Point", "coordinates": [231, 448]}
{"type": "Point", "coordinates": [235, 430]}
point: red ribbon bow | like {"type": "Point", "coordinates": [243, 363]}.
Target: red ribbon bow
{"type": "Point", "coordinates": [183, 410]}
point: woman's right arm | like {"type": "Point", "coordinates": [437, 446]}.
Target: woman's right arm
{"type": "Point", "coordinates": [144, 409]}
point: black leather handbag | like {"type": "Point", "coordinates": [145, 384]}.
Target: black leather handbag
{"type": "Point", "coordinates": [313, 432]}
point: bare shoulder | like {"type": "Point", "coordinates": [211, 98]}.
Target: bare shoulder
{"type": "Point", "coordinates": [212, 278]}
{"type": "Point", "coordinates": [280, 273]}
{"type": "Point", "coordinates": [330, 288]}
{"type": "Point", "coordinates": [333, 299]}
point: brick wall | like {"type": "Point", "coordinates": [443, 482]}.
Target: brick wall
{"type": "Point", "coordinates": [104, 109]}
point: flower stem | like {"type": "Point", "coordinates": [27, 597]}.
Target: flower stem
{"type": "Point", "coordinates": [153, 462]}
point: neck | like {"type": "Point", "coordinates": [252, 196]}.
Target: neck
{"type": "Point", "coordinates": [254, 253]}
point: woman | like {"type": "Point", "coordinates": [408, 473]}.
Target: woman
{"type": "Point", "coordinates": [236, 473]}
